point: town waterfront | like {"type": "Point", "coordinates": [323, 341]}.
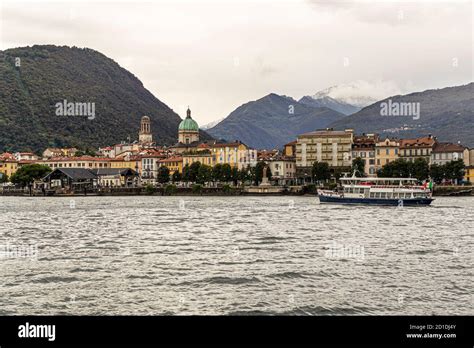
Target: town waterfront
{"type": "Point", "coordinates": [233, 255]}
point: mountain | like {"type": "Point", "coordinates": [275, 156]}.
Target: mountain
{"type": "Point", "coordinates": [447, 113]}
{"type": "Point", "coordinates": [34, 79]}
{"type": "Point", "coordinates": [272, 121]}
{"type": "Point", "coordinates": [330, 103]}
{"type": "Point", "coordinates": [211, 124]}
{"type": "Point", "coordinates": [359, 93]}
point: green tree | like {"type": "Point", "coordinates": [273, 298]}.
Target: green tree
{"type": "Point", "coordinates": [226, 172]}
{"type": "Point", "coordinates": [358, 167]}
{"type": "Point", "coordinates": [420, 169]}
{"type": "Point", "coordinates": [437, 173]}
{"type": "Point", "coordinates": [204, 174]}
{"type": "Point", "coordinates": [455, 170]}
{"type": "Point", "coordinates": [194, 171]}
{"type": "Point", "coordinates": [3, 178]}
{"type": "Point", "coordinates": [176, 177]}
{"type": "Point", "coordinates": [29, 173]}
{"type": "Point", "coordinates": [235, 175]}
{"type": "Point", "coordinates": [217, 172]}
{"type": "Point", "coordinates": [186, 173]}
{"type": "Point", "coordinates": [320, 171]}
{"type": "Point", "coordinates": [163, 175]}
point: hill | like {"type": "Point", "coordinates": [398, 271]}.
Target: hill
{"type": "Point", "coordinates": [34, 79]}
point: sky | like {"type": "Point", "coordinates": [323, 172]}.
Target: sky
{"type": "Point", "coordinates": [217, 55]}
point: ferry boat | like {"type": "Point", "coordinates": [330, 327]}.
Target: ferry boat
{"type": "Point", "coordinates": [379, 191]}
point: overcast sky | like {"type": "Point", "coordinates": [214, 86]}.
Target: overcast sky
{"type": "Point", "coordinates": [217, 55]}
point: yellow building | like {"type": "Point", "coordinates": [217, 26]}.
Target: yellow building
{"type": "Point", "coordinates": [469, 174]}
{"type": "Point", "coordinates": [132, 162]}
{"type": "Point", "coordinates": [289, 150]}
{"type": "Point", "coordinates": [86, 162]}
{"type": "Point", "coordinates": [386, 151]}
{"type": "Point", "coordinates": [174, 164]}
{"type": "Point", "coordinates": [203, 156]}
{"type": "Point", "coordinates": [236, 154]}
{"type": "Point", "coordinates": [8, 166]}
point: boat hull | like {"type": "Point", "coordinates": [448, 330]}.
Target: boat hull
{"type": "Point", "coordinates": [376, 201]}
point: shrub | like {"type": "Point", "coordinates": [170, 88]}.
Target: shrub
{"type": "Point", "coordinates": [227, 189]}
{"type": "Point", "coordinates": [170, 190]}
{"type": "Point", "coordinates": [150, 189]}
{"type": "Point", "coordinates": [196, 188]}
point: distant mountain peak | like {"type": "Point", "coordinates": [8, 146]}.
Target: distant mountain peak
{"type": "Point", "coordinates": [272, 121]}
{"type": "Point", "coordinates": [359, 93]}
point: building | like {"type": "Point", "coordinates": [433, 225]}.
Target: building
{"type": "Point", "coordinates": [144, 135]}
{"type": "Point", "coordinates": [203, 156]}
{"type": "Point", "coordinates": [283, 170]}
{"type": "Point", "coordinates": [87, 162]}
{"type": "Point", "coordinates": [364, 148]}
{"type": "Point", "coordinates": [133, 162]}
{"type": "Point", "coordinates": [116, 177]}
{"type": "Point", "coordinates": [59, 152]}
{"type": "Point", "coordinates": [174, 164]}
{"type": "Point", "coordinates": [411, 149]}
{"type": "Point", "coordinates": [188, 130]}
{"type": "Point", "coordinates": [329, 146]}
{"type": "Point", "coordinates": [469, 174]}
{"type": "Point", "coordinates": [236, 154]}
{"type": "Point", "coordinates": [25, 156]}
{"type": "Point", "coordinates": [150, 165]}
{"type": "Point", "coordinates": [289, 150]}
{"type": "Point", "coordinates": [70, 179]}
{"type": "Point", "coordinates": [386, 151]}
{"type": "Point", "coordinates": [443, 153]}
{"type": "Point", "coordinates": [8, 165]}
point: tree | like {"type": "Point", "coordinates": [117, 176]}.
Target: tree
{"type": "Point", "coordinates": [421, 169]}
{"type": "Point", "coordinates": [437, 173]}
{"type": "Point", "coordinates": [3, 178]}
{"type": "Point", "coordinates": [176, 177]}
{"type": "Point", "coordinates": [244, 175]}
{"type": "Point", "coordinates": [455, 170]}
{"type": "Point", "coordinates": [29, 173]}
{"type": "Point", "coordinates": [217, 172]}
{"type": "Point", "coordinates": [226, 172]}
{"type": "Point", "coordinates": [194, 171]}
{"type": "Point", "coordinates": [186, 173]}
{"type": "Point", "coordinates": [320, 171]}
{"type": "Point", "coordinates": [163, 175]}
{"type": "Point", "coordinates": [204, 174]}
{"type": "Point", "coordinates": [235, 175]}
{"type": "Point", "coordinates": [358, 167]}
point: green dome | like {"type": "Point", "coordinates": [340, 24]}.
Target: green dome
{"type": "Point", "coordinates": [188, 124]}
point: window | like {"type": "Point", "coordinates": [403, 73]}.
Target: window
{"type": "Point", "coordinates": [387, 152]}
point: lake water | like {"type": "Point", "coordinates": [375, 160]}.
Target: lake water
{"type": "Point", "coordinates": [233, 255]}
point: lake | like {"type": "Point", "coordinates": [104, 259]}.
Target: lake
{"type": "Point", "coordinates": [156, 255]}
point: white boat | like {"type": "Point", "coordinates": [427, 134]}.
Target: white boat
{"type": "Point", "coordinates": [379, 191]}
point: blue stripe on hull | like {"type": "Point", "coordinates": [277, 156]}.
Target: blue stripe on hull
{"type": "Point", "coordinates": [376, 201]}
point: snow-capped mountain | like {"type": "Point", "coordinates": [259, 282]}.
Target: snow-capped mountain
{"type": "Point", "coordinates": [328, 102]}
{"type": "Point", "coordinates": [359, 93]}
{"type": "Point", "coordinates": [212, 124]}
